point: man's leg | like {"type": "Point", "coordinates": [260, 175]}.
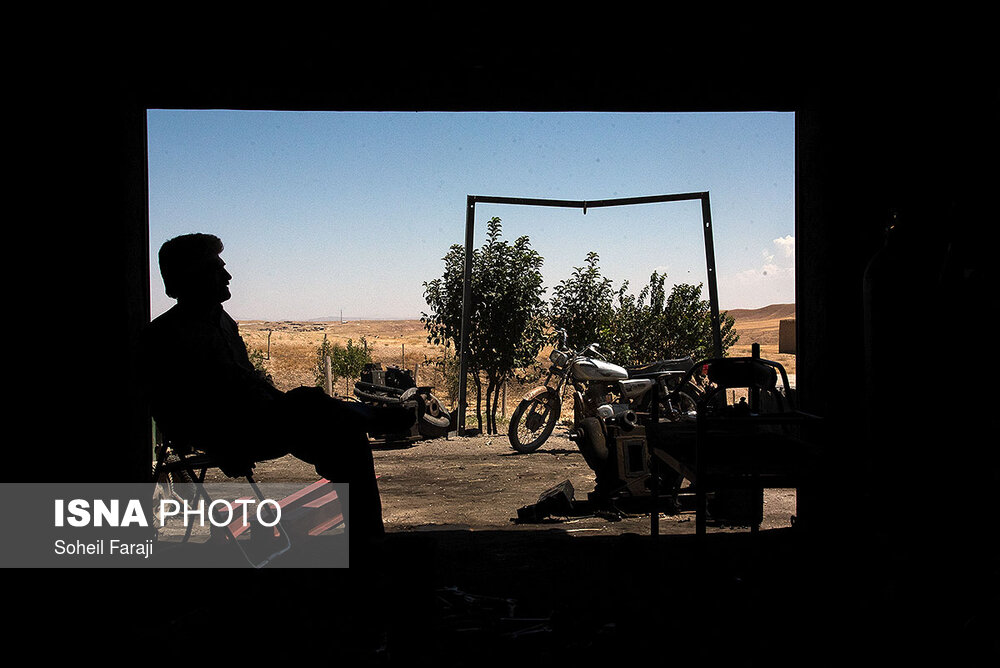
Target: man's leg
{"type": "Point", "coordinates": [332, 435]}
{"type": "Point", "coordinates": [349, 461]}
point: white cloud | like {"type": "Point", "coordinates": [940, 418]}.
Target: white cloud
{"type": "Point", "coordinates": [772, 282]}
{"type": "Point", "coordinates": [787, 245]}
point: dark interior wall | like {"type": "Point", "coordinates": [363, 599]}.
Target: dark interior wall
{"type": "Point", "coordinates": [880, 339]}
{"type": "Point", "coordinates": [869, 140]}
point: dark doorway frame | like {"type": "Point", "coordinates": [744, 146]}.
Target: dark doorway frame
{"type": "Point", "coordinates": [470, 228]}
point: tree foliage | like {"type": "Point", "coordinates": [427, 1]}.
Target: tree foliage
{"type": "Point", "coordinates": [345, 362]}
{"type": "Point", "coordinates": [656, 325]}
{"type": "Point", "coordinates": [507, 323]}
{"type": "Point", "coordinates": [583, 303]}
{"type": "Point", "coordinates": [256, 357]}
{"type": "Point", "coordinates": [639, 328]}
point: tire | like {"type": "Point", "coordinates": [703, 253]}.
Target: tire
{"type": "Point", "coordinates": [685, 410]}
{"type": "Point", "coordinates": [532, 422]}
{"type": "Point", "coordinates": [372, 398]}
{"type": "Point", "coordinates": [435, 421]}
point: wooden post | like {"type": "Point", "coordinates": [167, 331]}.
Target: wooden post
{"type": "Point", "coordinates": [329, 377]}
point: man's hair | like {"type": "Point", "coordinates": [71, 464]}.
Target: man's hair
{"type": "Point", "coordinates": [181, 256]}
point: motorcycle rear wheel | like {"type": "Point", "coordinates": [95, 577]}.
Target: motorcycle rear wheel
{"type": "Point", "coordinates": [532, 422]}
{"type": "Point", "coordinates": [684, 409]}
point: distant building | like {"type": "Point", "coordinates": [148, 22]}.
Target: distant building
{"type": "Point", "coordinates": [786, 336]}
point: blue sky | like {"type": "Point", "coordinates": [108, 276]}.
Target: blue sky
{"type": "Point", "coordinates": [323, 212]}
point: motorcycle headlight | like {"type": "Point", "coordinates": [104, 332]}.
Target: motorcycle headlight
{"type": "Point", "coordinates": [558, 358]}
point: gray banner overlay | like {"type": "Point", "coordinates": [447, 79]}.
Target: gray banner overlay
{"type": "Point", "coordinates": [174, 524]}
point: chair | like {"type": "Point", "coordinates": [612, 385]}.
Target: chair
{"type": "Point", "coordinates": [755, 444]}
{"type": "Point", "coordinates": [174, 457]}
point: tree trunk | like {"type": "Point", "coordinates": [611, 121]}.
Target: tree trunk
{"type": "Point", "coordinates": [491, 418]}
{"type": "Point", "coordinates": [479, 400]}
{"type": "Point", "coordinates": [493, 409]}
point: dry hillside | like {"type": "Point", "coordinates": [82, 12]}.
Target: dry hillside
{"type": "Point", "coordinates": [761, 326]}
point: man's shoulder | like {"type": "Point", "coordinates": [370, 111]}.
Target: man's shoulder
{"type": "Point", "coordinates": [167, 320]}
{"type": "Point", "coordinates": [176, 325]}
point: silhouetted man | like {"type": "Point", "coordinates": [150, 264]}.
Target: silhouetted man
{"type": "Point", "coordinates": [204, 391]}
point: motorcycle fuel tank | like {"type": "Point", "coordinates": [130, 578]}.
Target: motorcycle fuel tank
{"type": "Point", "coordinates": [591, 369]}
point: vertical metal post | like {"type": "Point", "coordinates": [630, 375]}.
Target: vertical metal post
{"type": "Point", "coordinates": [700, 493]}
{"type": "Point", "coordinates": [470, 222]}
{"type": "Point", "coordinates": [713, 289]}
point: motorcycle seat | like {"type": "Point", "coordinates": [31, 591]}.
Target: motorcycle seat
{"type": "Point", "coordinates": [656, 368]}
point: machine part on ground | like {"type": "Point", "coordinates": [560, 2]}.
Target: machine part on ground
{"type": "Point", "coordinates": [619, 457]}
{"type": "Point", "coordinates": [395, 387]}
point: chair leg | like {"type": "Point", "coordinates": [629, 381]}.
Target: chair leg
{"type": "Point", "coordinates": [202, 494]}
{"type": "Point", "coordinates": [287, 542]}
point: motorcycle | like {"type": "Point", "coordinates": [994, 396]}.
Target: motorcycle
{"type": "Point", "coordinates": [616, 410]}
{"type": "Point", "coordinates": [609, 393]}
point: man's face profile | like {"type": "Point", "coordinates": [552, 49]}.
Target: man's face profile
{"type": "Point", "coordinates": [212, 278]}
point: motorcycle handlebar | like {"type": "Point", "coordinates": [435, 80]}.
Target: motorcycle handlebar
{"type": "Point", "coordinates": [596, 348]}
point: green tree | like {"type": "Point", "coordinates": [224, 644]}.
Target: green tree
{"type": "Point", "coordinates": [348, 362]}
{"type": "Point", "coordinates": [656, 325]}
{"type": "Point", "coordinates": [256, 357]}
{"type": "Point", "coordinates": [507, 327]}
{"type": "Point", "coordinates": [583, 304]}
{"type": "Point", "coordinates": [326, 349]}
{"type": "Point", "coordinates": [345, 362]}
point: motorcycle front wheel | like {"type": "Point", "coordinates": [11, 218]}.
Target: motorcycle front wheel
{"type": "Point", "coordinates": [532, 422]}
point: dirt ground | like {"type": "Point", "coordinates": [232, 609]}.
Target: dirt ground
{"type": "Point", "coordinates": [478, 483]}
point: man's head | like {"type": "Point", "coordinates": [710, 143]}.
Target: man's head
{"type": "Point", "coordinates": [192, 269]}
